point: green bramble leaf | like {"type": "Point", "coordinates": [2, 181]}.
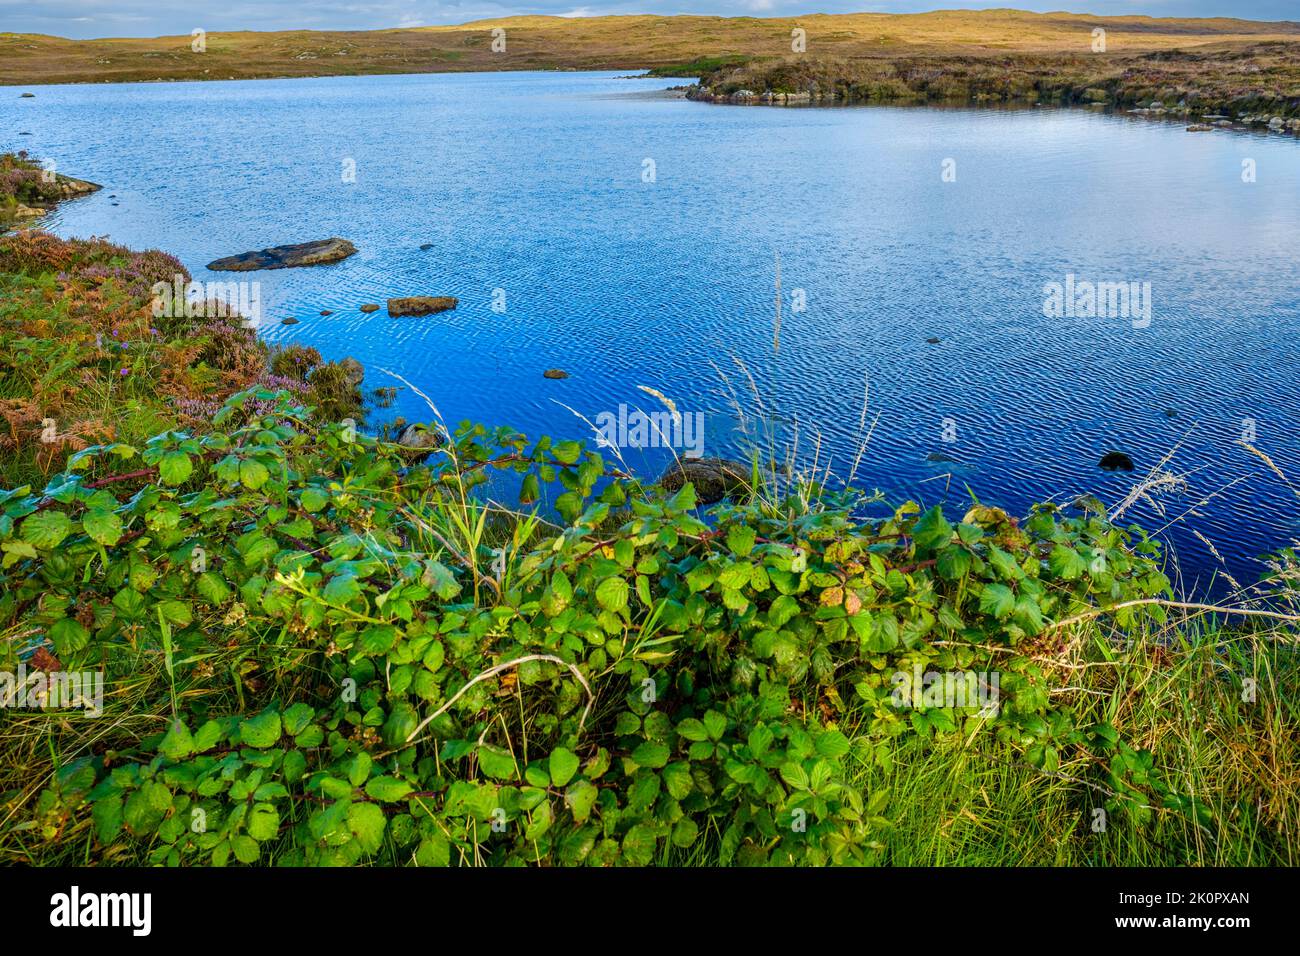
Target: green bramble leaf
{"type": "Point", "coordinates": [69, 636]}
{"type": "Point", "coordinates": [261, 731]}
{"type": "Point", "coordinates": [387, 789]}
{"type": "Point", "coordinates": [174, 467]}
{"type": "Point", "coordinates": [46, 529]}
{"type": "Point", "coordinates": [998, 601]}
{"type": "Point", "coordinates": [102, 526]}
{"type": "Point", "coordinates": [562, 765]}
{"type": "Point", "coordinates": [611, 593]}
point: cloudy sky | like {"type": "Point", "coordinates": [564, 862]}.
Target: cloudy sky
{"type": "Point", "coordinates": [99, 18]}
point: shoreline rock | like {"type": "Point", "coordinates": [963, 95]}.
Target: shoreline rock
{"type": "Point", "coordinates": [713, 478]}
{"type": "Point", "coordinates": [316, 253]}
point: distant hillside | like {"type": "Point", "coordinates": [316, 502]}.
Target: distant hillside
{"type": "Point", "coordinates": [686, 43]}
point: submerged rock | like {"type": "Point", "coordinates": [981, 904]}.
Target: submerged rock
{"type": "Point", "coordinates": [26, 96]}
{"type": "Point", "coordinates": [1200, 128]}
{"type": "Point", "coordinates": [713, 478]}
{"type": "Point", "coordinates": [317, 253]}
{"type": "Point", "coordinates": [426, 247]}
{"type": "Point", "coordinates": [932, 340]}
{"type": "Point", "coordinates": [421, 304]}
{"type": "Point", "coordinates": [1116, 461]}
{"type": "Point", "coordinates": [326, 312]}
{"type": "Point", "coordinates": [556, 373]}
{"type": "Point", "coordinates": [369, 307]}
{"type": "Point", "coordinates": [289, 321]}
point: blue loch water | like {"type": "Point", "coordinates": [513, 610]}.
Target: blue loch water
{"type": "Point", "coordinates": [596, 224]}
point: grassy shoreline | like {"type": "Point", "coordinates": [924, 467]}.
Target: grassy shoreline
{"type": "Point", "coordinates": [316, 648]}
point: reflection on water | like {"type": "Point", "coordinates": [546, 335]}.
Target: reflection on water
{"type": "Point", "coordinates": [632, 240]}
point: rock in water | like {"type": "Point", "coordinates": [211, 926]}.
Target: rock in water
{"type": "Point", "coordinates": [421, 304]}
{"type": "Point", "coordinates": [1116, 461]}
{"type": "Point", "coordinates": [26, 96]}
{"type": "Point", "coordinates": [713, 478]}
{"type": "Point", "coordinates": [289, 321]}
{"type": "Point", "coordinates": [370, 307]}
{"type": "Point", "coordinates": [556, 373]}
{"type": "Point", "coordinates": [932, 340]}
{"type": "Point", "coordinates": [1200, 128]}
{"type": "Point", "coordinates": [318, 253]}
{"type": "Point", "coordinates": [353, 371]}
{"type": "Point", "coordinates": [419, 438]}
{"type": "Point", "coordinates": [426, 247]}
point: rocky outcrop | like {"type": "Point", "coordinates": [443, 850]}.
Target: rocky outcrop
{"type": "Point", "coordinates": [421, 304]}
{"type": "Point", "coordinates": [70, 188]}
{"type": "Point", "coordinates": [713, 478]}
{"type": "Point", "coordinates": [317, 253]}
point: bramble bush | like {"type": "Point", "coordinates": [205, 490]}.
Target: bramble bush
{"type": "Point", "coordinates": [357, 659]}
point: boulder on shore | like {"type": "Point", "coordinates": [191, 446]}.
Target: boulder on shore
{"type": "Point", "coordinates": [421, 304]}
{"type": "Point", "coordinates": [713, 478]}
{"type": "Point", "coordinates": [419, 439]}
{"type": "Point", "coordinates": [317, 253]}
